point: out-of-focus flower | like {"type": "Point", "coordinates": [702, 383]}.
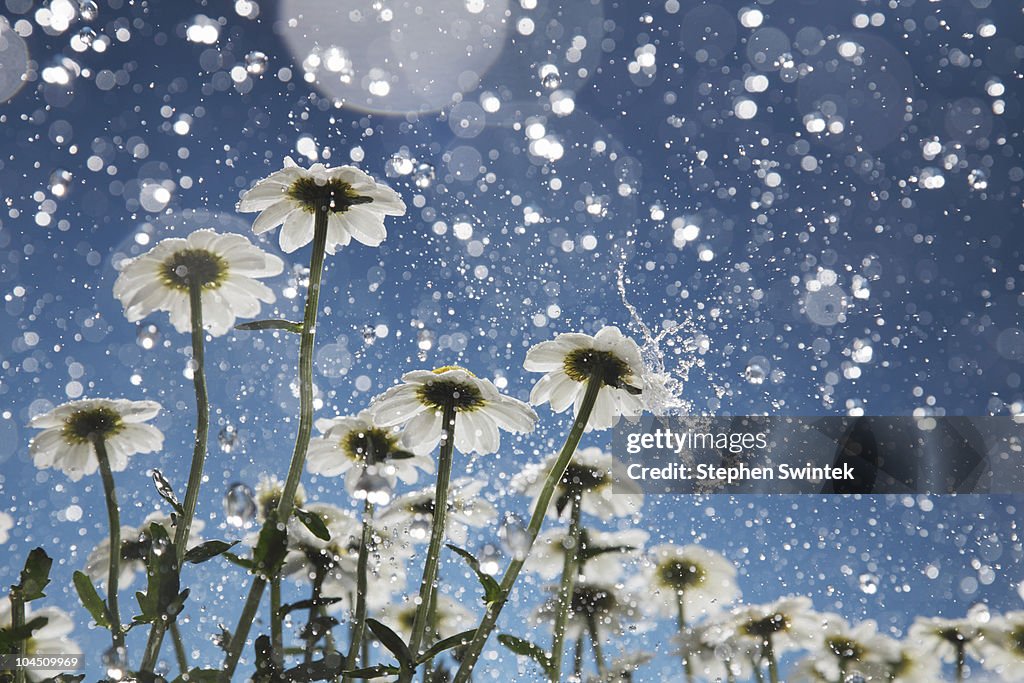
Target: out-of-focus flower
{"type": "Point", "coordinates": [268, 495]}
{"type": "Point", "coordinates": [714, 653]}
{"type": "Point", "coordinates": [412, 514]}
{"type": "Point", "coordinates": [224, 266]}
{"type": "Point", "coordinates": [912, 664]}
{"type": "Point", "coordinates": [351, 446]}
{"type": "Point", "coordinates": [601, 554]}
{"type": "Point", "coordinates": [948, 639]}
{"type": "Point", "coordinates": [591, 475]}
{"type": "Point", "coordinates": [569, 360]}
{"type": "Point", "coordinates": [66, 442]}
{"type": "Point", "coordinates": [450, 617]}
{"type": "Point", "coordinates": [604, 607]}
{"type": "Point", "coordinates": [356, 205]}
{"type": "Point", "coordinates": [690, 578]}
{"type": "Point", "coordinates": [1002, 650]}
{"type": "Point", "coordinates": [843, 650]}
{"type": "Point", "coordinates": [787, 624]}
{"type": "Point", "coordinates": [135, 546]}
{"type": "Point", "coordinates": [51, 639]}
{"type": "Point", "coordinates": [480, 410]}
{"type": "Point", "coordinates": [623, 669]}
{"type": "Point", "coordinates": [6, 524]}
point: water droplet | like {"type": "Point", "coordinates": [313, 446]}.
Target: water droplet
{"type": "Point", "coordinates": [228, 438]}
{"type": "Point", "coordinates": [514, 537]}
{"type": "Point", "coordinates": [239, 506]}
{"type": "Point", "coordinates": [855, 677]}
{"type": "Point", "coordinates": [88, 10]}
{"type": "Point", "coordinates": [423, 176]}
{"type": "Point", "coordinates": [550, 78]}
{"type": "Point", "coordinates": [868, 583]}
{"type": "Point", "coordinates": [256, 63]}
{"type": "Point", "coordinates": [419, 529]}
{"type": "Point", "coordinates": [115, 661]}
{"type": "Point", "coordinates": [757, 370]}
{"type": "Point", "coordinates": [369, 335]}
{"type": "Point", "coordinates": [148, 336]}
{"type": "Point", "coordinates": [399, 164]}
{"type": "Point", "coordinates": [490, 560]}
{"type": "Point", "coordinates": [373, 487]}
{"type": "Point", "coordinates": [83, 40]}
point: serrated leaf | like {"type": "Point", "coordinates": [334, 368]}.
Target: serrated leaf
{"type": "Point", "coordinates": [492, 591]}
{"type": "Point", "coordinates": [91, 600]}
{"type": "Point", "coordinates": [208, 550]}
{"type": "Point", "coordinates": [166, 491]}
{"type": "Point", "coordinates": [373, 671]}
{"type": "Point", "coordinates": [10, 636]}
{"type": "Point", "coordinates": [527, 649]}
{"type": "Point", "coordinates": [447, 644]}
{"type": "Point", "coordinates": [274, 324]}
{"type": "Point", "coordinates": [314, 523]}
{"type": "Point", "coordinates": [393, 642]}
{"type": "Point", "coordinates": [35, 576]}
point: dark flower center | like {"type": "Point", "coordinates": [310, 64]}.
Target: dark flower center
{"type": "Point", "coordinates": [844, 648]}
{"type": "Point", "coordinates": [334, 195]}
{"type": "Point", "coordinates": [580, 478]}
{"type": "Point", "coordinates": [370, 446]}
{"type": "Point", "coordinates": [582, 364]}
{"type": "Point", "coordinates": [95, 423]}
{"type": "Point", "coordinates": [465, 397]}
{"type": "Point", "coordinates": [1017, 639]}
{"type": "Point", "coordinates": [681, 575]}
{"type": "Point", "coordinates": [766, 627]}
{"type": "Point", "coordinates": [199, 266]}
{"type": "Point", "coordinates": [592, 601]}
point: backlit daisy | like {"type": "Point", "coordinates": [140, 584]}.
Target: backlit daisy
{"type": "Point", "coordinates": [690, 578]}
{"type": "Point", "coordinates": [480, 410]}
{"type": "Point", "coordinates": [224, 266]}
{"type": "Point", "coordinates": [1003, 647]}
{"type": "Point", "coordinates": [787, 624]}
{"type": "Point", "coordinates": [571, 359]}
{"type": "Point", "coordinates": [268, 494]}
{"type": "Point", "coordinates": [412, 514]}
{"type": "Point", "coordinates": [450, 617]}
{"type": "Point", "coordinates": [602, 554]}
{"type": "Point", "coordinates": [953, 640]}
{"type": "Point", "coordinates": [843, 650]}
{"type": "Point", "coordinates": [352, 445]}
{"type": "Point", "coordinates": [135, 545]}
{"type": "Point", "coordinates": [605, 607]}
{"type": "Point", "coordinates": [69, 430]}
{"type": "Point", "coordinates": [51, 639]}
{"type": "Point", "coordinates": [594, 476]}
{"type": "Point", "coordinates": [714, 654]}
{"type": "Point", "coordinates": [355, 203]}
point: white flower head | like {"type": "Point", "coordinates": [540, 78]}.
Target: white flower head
{"type": "Point", "coordinates": [604, 606]}
{"type": "Point", "coordinates": [946, 637]}
{"type": "Point", "coordinates": [450, 617]}
{"type": "Point", "coordinates": [480, 410]}
{"type": "Point", "coordinates": [701, 579]}
{"type": "Point", "coordinates": [599, 481]}
{"type": "Point", "coordinates": [412, 515]}
{"type": "Point", "coordinates": [571, 359]}
{"type": "Point", "coordinates": [843, 649]}
{"type": "Point", "coordinates": [1002, 650]}
{"type": "Point", "coordinates": [789, 623]}
{"type": "Point", "coordinates": [69, 430]}
{"type": "Point", "coordinates": [351, 445]}
{"type": "Point", "coordinates": [268, 494]}
{"type": "Point", "coordinates": [356, 205]}
{"type": "Point", "coordinates": [135, 544]}
{"type": "Point", "coordinates": [6, 524]}
{"type": "Point", "coordinates": [602, 554]}
{"type": "Point", "coordinates": [50, 639]}
{"type": "Point", "coordinates": [226, 267]}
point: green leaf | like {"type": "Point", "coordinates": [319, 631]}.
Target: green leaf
{"type": "Point", "coordinates": [271, 548]}
{"type": "Point", "coordinates": [319, 670]}
{"type": "Point", "coordinates": [448, 643]}
{"type": "Point", "coordinates": [91, 600]}
{"type": "Point", "coordinates": [35, 576]}
{"type": "Point", "coordinates": [199, 676]}
{"type": "Point", "coordinates": [166, 491]}
{"type": "Point", "coordinates": [66, 678]}
{"type": "Point", "coordinates": [306, 604]}
{"type": "Point", "coordinates": [244, 562]}
{"type": "Point", "coordinates": [588, 553]}
{"type": "Point", "coordinates": [208, 550]}
{"type": "Point", "coordinates": [492, 591]}
{"type": "Point", "coordinates": [314, 523]}
{"type": "Point", "coordinates": [267, 670]}
{"type": "Point", "coordinates": [162, 597]}
{"type": "Point", "coordinates": [10, 636]}
{"type": "Point", "coordinates": [527, 649]}
{"type": "Point", "coordinates": [373, 671]}
{"type": "Point", "coordinates": [393, 642]}
{"type": "Point", "coordinates": [275, 324]}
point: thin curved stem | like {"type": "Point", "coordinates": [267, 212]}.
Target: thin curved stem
{"type": "Point", "coordinates": [483, 631]}
{"type": "Point", "coordinates": [276, 621]}
{"type": "Point", "coordinates": [595, 642]}
{"type": "Point", "coordinates": [428, 585]}
{"type": "Point", "coordinates": [179, 648]}
{"type": "Point", "coordinates": [17, 623]}
{"type": "Point", "coordinates": [114, 518]}
{"type": "Point", "coordinates": [183, 525]}
{"type": "Point", "coordinates": [961, 662]}
{"type": "Point", "coordinates": [773, 664]}
{"type": "Point", "coordinates": [570, 570]}
{"type": "Point", "coordinates": [681, 619]}
{"type": "Point", "coordinates": [359, 618]}
{"type": "Point", "coordinates": [291, 485]}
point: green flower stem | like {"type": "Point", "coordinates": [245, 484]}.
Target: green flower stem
{"type": "Point", "coordinates": [756, 665]}
{"type": "Point", "coordinates": [570, 570]}
{"type": "Point", "coordinates": [773, 664]}
{"type": "Point", "coordinates": [276, 621]}
{"type": "Point", "coordinates": [577, 660]}
{"type": "Point", "coordinates": [312, 634]}
{"type": "Point", "coordinates": [431, 636]}
{"type": "Point", "coordinates": [430, 569]}
{"type": "Point", "coordinates": [681, 615]}
{"type": "Point", "coordinates": [291, 485]}
{"type": "Point", "coordinates": [961, 662]}
{"type": "Point", "coordinates": [183, 526]}
{"type": "Point", "coordinates": [490, 619]}
{"type": "Point", "coordinates": [595, 642]}
{"type": "Point", "coordinates": [179, 648]}
{"type": "Point", "coordinates": [359, 619]}
{"type": "Point", "coordinates": [114, 518]}
{"type": "Point", "coordinates": [17, 622]}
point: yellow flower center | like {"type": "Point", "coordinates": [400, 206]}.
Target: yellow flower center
{"type": "Point", "coordinates": [336, 196]}
{"type": "Point", "coordinates": [465, 397]}
{"type": "Point", "coordinates": [204, 268]}
{"type": "Point", "coordinates": [84, 426]}
{"type": "Point", "coordinates": [582, 364]}
{"type": "Point", "coordinates": [681, 575]}
{"type": "Point", "coordinates": [448, 368]}
{"type": "Point", "coordinates": [369, 445]}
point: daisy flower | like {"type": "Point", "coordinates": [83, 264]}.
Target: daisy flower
{"type": "Point", "coordinates": [268, 494]}
{"type": "Point", "coordinates": [911, 664]}
{"type": "Point", "coordinates": [356, 205]}
{"type": "Point", "coordinates": [135, 545]}
{"type": "Point", "coordinates": [690, 578]}
{"type": "Point", "coordinates": [601, 554]}
{"type": "Point", "coordinates": [351, 446]}
{"type": "Point", "coordinates": [413, 513]}
{"type": "Point", "coordinates": [603, 606]}
{"type": "Point", "coordinates": [599, 481]}
{"type": "Point", "coordinates": [480, 410]}
{"type": "Point", "coordinates": [571, 359]}
{"type": "Point", "coordinates": [622, 669]}
{"type": "Point", "coordinates": [450, 617]}
{"type": "Point", "coordinates": [714, 654]}
{"type": "Point", "coordinates": [224, 266]}
{"type": "Point", "coordinates": [69, 430]}
{"type": "Point", "coordinates": [843, 650]}
{"type": "Point", "coordinates": [51, 639]}
{"type": "Point", "coordinates": [949, 639]}
{"type": "Point", "coordinates": [6, 524]}
{"type": "Point", "coordinates": [1002, 649]}
{"type": "Point", "coordinates": [789, 623]}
